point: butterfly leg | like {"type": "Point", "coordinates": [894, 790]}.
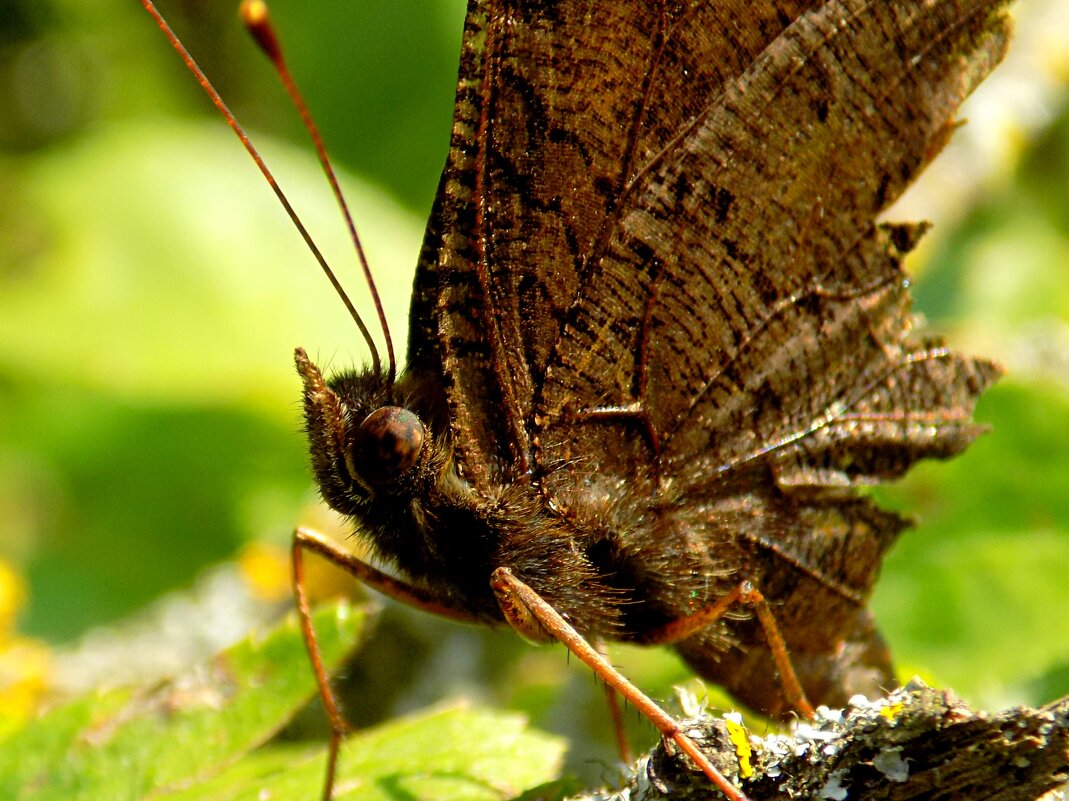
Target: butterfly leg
{"type": "Point", "coordinates": [304, 612]}
{"type": "Point", "coordinates": [616, 713]}
{"type": "Point", "coordinates": [745, 594]}
{"type": "Point", "coordinates": [533, 618]}
{"type": "Point", "coordinates": [308, 540]}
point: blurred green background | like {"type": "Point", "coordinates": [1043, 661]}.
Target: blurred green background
{"type": "Point", "coordinates": [151, 293]}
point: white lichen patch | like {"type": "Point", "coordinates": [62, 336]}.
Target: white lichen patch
{"type": "Point", "coordinates": [833, 789]}
{"type": "Point", "coordinates": [889, 762]}
{"type": "Point", "coordinates": [822, 738]}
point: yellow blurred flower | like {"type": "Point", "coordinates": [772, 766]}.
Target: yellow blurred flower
{"type": "Point", "coordinates": [25, 664]}
{"type": "Point", "coordinates": [12, 598]}
{"type": "Point", "coordinates": [25, 677]}
{"type": "Point", "coordinates": [266, 570]}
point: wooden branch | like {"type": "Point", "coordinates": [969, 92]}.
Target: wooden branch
{"type": "Point", "coordinates": [918, 743]}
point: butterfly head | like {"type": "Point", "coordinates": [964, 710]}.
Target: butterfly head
{"type": "Point", "coordinates": [362, 445]}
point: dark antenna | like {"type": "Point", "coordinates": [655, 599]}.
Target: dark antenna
{"type": "Point", "coordinates": [254, 15]}
{"type": "Point", "coordinates": [206, 85]}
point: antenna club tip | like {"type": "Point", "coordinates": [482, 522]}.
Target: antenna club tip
{"type": "Point", "coordinates": [253, 9]}
{"type": "Point", "coordinates": [253, 12]}
{"type": "Point", "coordinates": [255, 18]}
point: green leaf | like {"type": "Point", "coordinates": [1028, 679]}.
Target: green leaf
{"type": "Point", "coordinates": [136, 743]}
{"type": "Point", "coordinates": [199, 736]}
{"type": "Point", "coordinates": [455, 754]}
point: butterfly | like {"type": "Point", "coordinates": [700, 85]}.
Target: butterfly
{"type": "Point", "coordinates": [660, 337]}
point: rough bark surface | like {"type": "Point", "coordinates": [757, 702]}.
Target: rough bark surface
{"type": "Point", "coordinates": [918, 743]}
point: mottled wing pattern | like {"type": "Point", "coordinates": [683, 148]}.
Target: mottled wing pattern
{"type": "Point", "coordinates": [558, 105]}
{"type": "Point", "coordinates": [742, 333]}
{"type": "Point", "coordinates": [655, 270]}
{"type": "Point", "coordinates": [747, 289]}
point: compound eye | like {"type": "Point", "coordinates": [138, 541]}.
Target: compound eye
{"type": "Point", "coordinates": [387, 445]}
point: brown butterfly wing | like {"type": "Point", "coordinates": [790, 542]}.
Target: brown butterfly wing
{"type": "Point", "coordinates": [746, 287]}
{"type": "Point", "coordinates": [556, 105]}
{"type": "Point", "coordinates": [749, 319]}
{"type": "Point", "coordinates": [658, 282]}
